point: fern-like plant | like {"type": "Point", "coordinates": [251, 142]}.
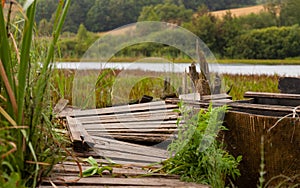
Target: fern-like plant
{"type": "Point", "coordinates": [196, 154]}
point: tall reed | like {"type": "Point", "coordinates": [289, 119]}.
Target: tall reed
{"type": "Point", "coordinates": [27, 138]}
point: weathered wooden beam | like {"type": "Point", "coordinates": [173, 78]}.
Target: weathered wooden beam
{"type": "Point", "coordinates": [59, 107]}
{"type": "Point", "coordinates": [78, 135]}
{"type": "Point", "coordinates": [159, 105]}
{"type": "Point", "coordinates": [251, 94]}
{"type": "Point", "coordinates": [144, 182]}
{"type": "Point", "coordinates": [274, 98]}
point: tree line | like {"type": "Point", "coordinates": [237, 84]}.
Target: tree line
{"type": "Point", "coordinates": [272, 34]}
{"type": "Point", "coordinates": [104, 15]}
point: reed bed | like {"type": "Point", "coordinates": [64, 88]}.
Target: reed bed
{"type": "Point", "coordinates": [28, 145]}
{"type": "Point", "coordinates": [242, 83]}
{"type": "Point", "coordinates": [137, 83]}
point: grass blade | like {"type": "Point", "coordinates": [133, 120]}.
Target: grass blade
{"type": "Point", "coordinates": [5, 56]}
{"type": "Point", "coordinates": [42, 82]}
{"type": "Point", "coordinates": [8, 88]}
{"type": "Point", "coordinates": [7, 117]}
{"type": "Point", "coordinates": [25, 59]}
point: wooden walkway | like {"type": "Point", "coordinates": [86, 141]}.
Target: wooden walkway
{"type": "Point", "coordinates": [126, 138]}
{"type": "Point", "coordinates": [130, 138]}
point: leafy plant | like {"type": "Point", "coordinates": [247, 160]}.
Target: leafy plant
{"type": "Point", "coordinates": [27, 138]}
{"type": "Point", "coordinates": [95, 168]}
{"type": "Point", "coordinates": [196, 154]}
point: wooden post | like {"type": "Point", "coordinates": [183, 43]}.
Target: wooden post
{"type": "Point", "coordinates": [184, 82]}
{"type": "Point", "coordinates": [199, 81]}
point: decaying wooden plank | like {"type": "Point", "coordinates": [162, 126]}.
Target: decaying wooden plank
{"type": "Point", "coordinates": [123, 186]}
{"type": "Point", "coordinates": [133, 125]}
{"type": "Point", "coordinates": [216, 97]}
{"type": "Point", "coordinates": [132, 115]}
{"type": "Point", "coordinates": [251, 94]}
{"type": "Point", "coordinates": [274, 98]}
{"type": "Point", "coordinates": [61, 104]}
{"type": "Point", "coordinates": [78, 135]}
{"type": "Point", "coordinates": [263, 109]}
{"type": "Point", "coordinates": [116, 119]}
{"type": "Point", "coordinates": [74, 130]}
{"type": "Point", "coordinates": [126, 156]}
{"type": "Point", "coordinates": [130, 147]}
{"type": "Point", "coordinates": [122, 181]}
{"type": "Point", "coordinates": [118, 169]}
{"type": "Point", "coordinates": [143, 134]}
{"type": "Point", "coordinates": [126, 130]}
{"type": "Point", "coordinates": [196, 97]}
{"type": "Point", "coordinates": [141, 122]}
{"type": "Point", "coordinates": [160, 105]}
{"type": "Point", "coordinates": [143, 139]}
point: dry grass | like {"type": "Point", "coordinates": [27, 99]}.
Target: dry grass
{"type": "Point", "coordinates": [240, 11]}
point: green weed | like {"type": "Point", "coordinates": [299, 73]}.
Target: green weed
{"type": "Point", "coordinates": [197, 155]}
{"type": "Point", "coordinates": [95, 168]}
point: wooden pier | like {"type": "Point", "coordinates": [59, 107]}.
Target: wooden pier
{"type": "Point", "coordinates": [131, 139]}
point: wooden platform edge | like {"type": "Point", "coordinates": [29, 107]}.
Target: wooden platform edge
{"type": "Point", "coordinates": [78, 135]}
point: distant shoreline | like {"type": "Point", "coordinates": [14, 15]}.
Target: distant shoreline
{"type": "Point", "coordinates": [220, 61]}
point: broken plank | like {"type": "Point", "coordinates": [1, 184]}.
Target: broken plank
{"type": "Point", "coordinates": [148, 134]}
{"type": "Point", "coordinates": [143, 139]}
{"type": "Point", "coordinates": [133, 125]}
{"type": "Point", "coordinates": [160, 105]}
{"type": "Point", "coordinates": [74, 130]}
{"type": "Point", "coordinates": [172, 116]}
{"type": "Point", "coordinates": [278, 108]}
{"type": "Point", "coordinates": [79, 136]}
{"type": "Point", "coordinates": [251, 94]}
{"type": "Point", "coordinates": [263, 109]}
{"type": "Point", "coordinates": [129, 146]}
{"type": "Point", "coordinates": [132, 115]}
{"type": "Point", "coordinates": [136, 125]}
{"type": "Point", "coordinates": [72, 168]}
{"type": "Point", "coordinates": [274, 98]}
{"type": "Point", "coordinates": [151, 152]}
{"type": "Point", "coordinates": [132, 130]}
{"type": "Point", "coordinates": [120, 181]}
{"type": "Point", "coordinates": [117, 161]}
{"type": "Point", "coordinates": [61, 104]}
{"type": "Point", "coordinates": [126, 156]}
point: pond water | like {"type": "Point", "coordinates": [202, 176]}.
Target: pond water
{"type": "Point", "coordinates": [282, 70]}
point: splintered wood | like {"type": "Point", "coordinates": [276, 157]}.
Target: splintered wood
{"type": "Point", "coordinates": [149, 123]}
{"type": "Point", "coordinates": [130, 138]}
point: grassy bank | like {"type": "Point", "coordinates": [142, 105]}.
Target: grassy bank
{"type": "Point", "coordinates": [220, 61]}
{"type": "Point", "coordinates": [260, 61]}
{"type": "Point", "coordinates": [242, 83]}
{"type": "Point", "coordinates": [136, 83]}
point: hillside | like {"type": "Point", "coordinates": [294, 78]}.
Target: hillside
{"type": "Point", "coordinates": [240, 11]}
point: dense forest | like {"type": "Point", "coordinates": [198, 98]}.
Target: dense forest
{"type": "Point", "coordinates": [104, 15]}
{"type": "Point", "coordinates": [271, 34]}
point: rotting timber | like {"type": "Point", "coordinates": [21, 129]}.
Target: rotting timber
{"type": "Point", "coordinates": [117, 135]}
{"type": "Point", "coordinates": [125, 133]}
{"type": "Point", "coordinates": [275, 118]}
